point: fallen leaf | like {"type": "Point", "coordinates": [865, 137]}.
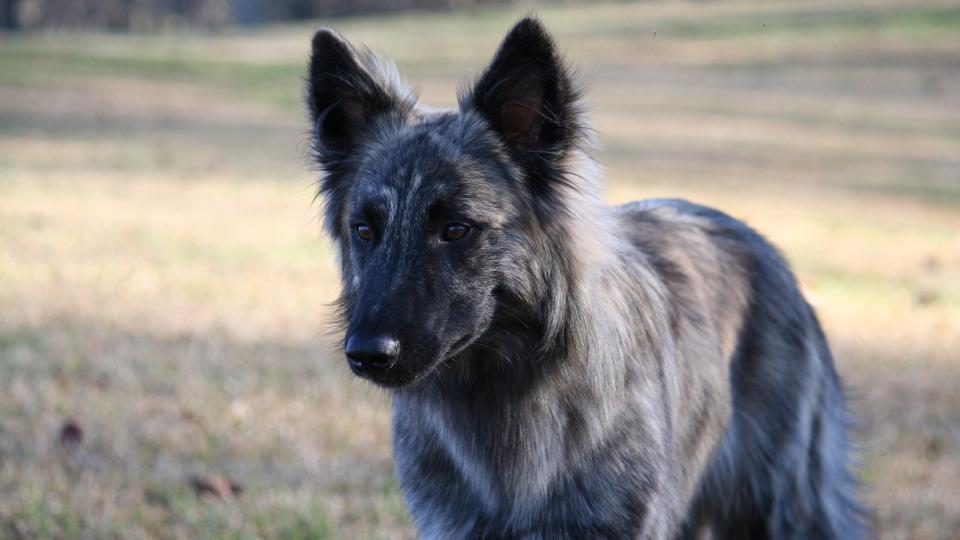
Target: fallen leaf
{"type": "Point", "coordinates": [71, 434]}
{"type": "Point", "coordinates": [213, 485]}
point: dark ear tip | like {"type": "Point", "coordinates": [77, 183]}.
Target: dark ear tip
{"type": "Point", "coordinates": [530, 23]}
{"type": "Point", "coordinates": [528, 35]}
{"type": "Point", "coordinates": [530, 26]}
{"type": "Point", "coordinates": [326, 38]}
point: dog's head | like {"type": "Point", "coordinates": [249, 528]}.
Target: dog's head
{"type": "Point", "coordinates": [434, 213]}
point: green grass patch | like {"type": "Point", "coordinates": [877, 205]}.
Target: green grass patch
{"type": "Point", "coordinates": [10, 341]}
{"type": "Point", "coordinates": [273, 82]}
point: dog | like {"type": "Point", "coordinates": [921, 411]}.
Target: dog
{"type": "Point", "coordinates": [560, 368]}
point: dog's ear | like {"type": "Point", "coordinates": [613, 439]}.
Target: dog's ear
{"type": "Point", "coordinates": [343, 97]}
{"type": "Point", "coordinates": [527, 96]}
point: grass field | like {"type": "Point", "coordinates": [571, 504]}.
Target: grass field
{"type": "Point", "coordinates": [163, 279]}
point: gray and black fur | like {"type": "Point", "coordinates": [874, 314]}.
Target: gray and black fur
{"type": "Point", "coordinates": [561, 368]}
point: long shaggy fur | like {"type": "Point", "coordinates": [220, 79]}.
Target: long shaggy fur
{"type": "Point", "coordinates": [567, 369]}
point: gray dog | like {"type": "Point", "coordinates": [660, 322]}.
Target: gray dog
{"type": "Point", "coordinates": [561, 368]}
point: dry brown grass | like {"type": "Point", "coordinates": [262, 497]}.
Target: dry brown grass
{"type": "Point", "coordinates": [163, 279]}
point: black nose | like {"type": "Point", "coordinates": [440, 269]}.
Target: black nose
{"type": "Point", "coordinates": [371, 355]}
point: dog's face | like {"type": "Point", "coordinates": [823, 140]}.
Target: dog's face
{"type": "Point", "coordinates": [429, 209]}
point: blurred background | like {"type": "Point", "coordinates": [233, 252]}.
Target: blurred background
{"type": "Point", "coordinates": [166, 368]}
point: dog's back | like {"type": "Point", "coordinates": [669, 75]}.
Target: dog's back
{"type": "Point", "coordinates": [780, 470]}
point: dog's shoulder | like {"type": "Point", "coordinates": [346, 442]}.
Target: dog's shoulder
{"type": "Point", "coordinates": [678, 214]}
{"type": "Point", "coordinates": [665, 225]}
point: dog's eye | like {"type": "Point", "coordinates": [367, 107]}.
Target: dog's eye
{"type": "Point", "coordinates": [454, 231]}
{"type": "Point", "coordinates": [364, 232]}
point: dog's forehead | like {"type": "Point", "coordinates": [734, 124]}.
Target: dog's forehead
{"type": "Point", "coordinates": [427, 159]}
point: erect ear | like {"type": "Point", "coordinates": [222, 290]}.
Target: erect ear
{"type": "Point", "coordinates": [527, 96]}
{"type": "Point", "coordinates": [343, 96]}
